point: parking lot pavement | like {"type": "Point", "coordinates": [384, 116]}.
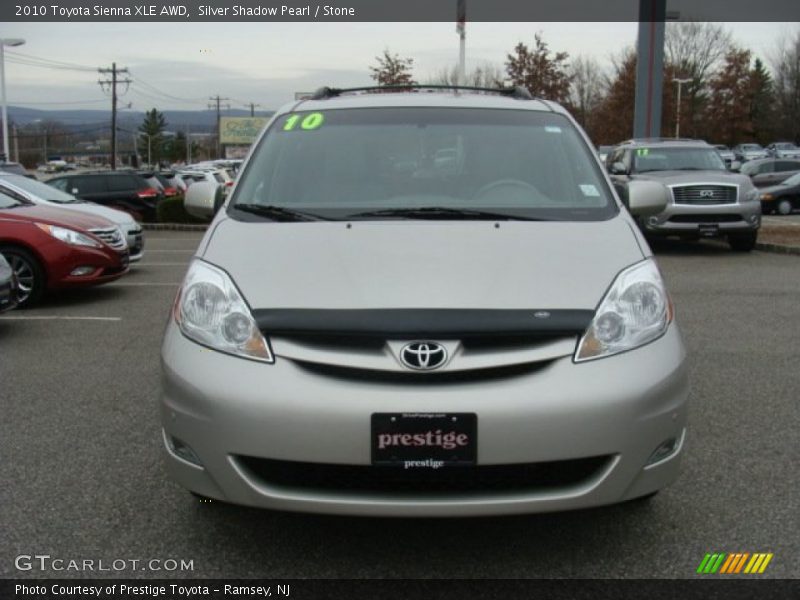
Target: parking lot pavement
{"type": "Point", "coordinates": [83, 479]}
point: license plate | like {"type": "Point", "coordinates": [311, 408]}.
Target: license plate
{"type": "Point", "coordinates": [709, 229]}
{"type": "Point", "coordinates": [424, 440]}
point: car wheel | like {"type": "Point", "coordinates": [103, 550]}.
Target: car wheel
{"type": "Point", "coordinates": [743, 242]}
{"type": "Point", "coordinates": [784, 206]}
{"type": "Point", "coordinates": [30, 275]}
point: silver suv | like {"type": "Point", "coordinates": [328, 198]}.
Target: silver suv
{"type": "Point", "coordinates": [706, 199]}
{"type": "Point", "coordinates": [423, 303]}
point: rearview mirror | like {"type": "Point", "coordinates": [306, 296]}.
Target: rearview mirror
{"type": "Point", "coordinates": [203, 199]}
{"type": "Point", "coordinates": [647, 198]}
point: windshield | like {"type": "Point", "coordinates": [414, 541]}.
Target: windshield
{"type": "Point", "coordinates": [676, 159]}
{"type": "Point", "coordinates": [786, 146]}
{"type": "Point", "coordinates": [376, 163]}
{"type": "Point", "coordinates": [40, 190]}
{"type": "Point", "coordinates": [793, 180]}
{"type": "Point", "coordinates": [9, 202]}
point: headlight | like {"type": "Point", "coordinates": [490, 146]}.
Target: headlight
{"type": "Point", "coordinates": [766, 197]}
{"type": "Point", "coordinates": [752, 194]}
{"type": "Point", "coordinates": [635, 311]}
{"type": "Point", "coordinates": [210, 311]}
{"type": "Point", "coordinates": [69, 236]}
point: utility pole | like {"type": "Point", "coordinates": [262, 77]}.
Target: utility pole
{"type": "Point", "coordinates": [112, 83]}
{"type": "Point", "coordinates": [252, 108]}
{"type": "Point", "coordinates": [461, 30]}
{"type": "Point", "coordinates": [217, 103]}
{"type": "Point", "coordinates": [680, 82]}
{"type": "Point", "coordinates": [16, 142]}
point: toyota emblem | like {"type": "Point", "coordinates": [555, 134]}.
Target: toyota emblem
{"type": "Point", "coordinates": [423, 356]}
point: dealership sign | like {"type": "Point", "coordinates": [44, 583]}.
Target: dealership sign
{"type": "Point", "coordinates": [240, 130]}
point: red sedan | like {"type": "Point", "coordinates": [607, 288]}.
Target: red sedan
{"type": "Point", "coordinates": [50, 248]}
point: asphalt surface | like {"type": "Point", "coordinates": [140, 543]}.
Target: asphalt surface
{"type": "Point", "coordinates": [82, 476]}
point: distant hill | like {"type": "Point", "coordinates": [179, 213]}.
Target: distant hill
{"type": "Point", "coordinates": [195, 121]}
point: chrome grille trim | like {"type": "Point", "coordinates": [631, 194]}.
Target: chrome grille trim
{"type": "Point", "coordinates": [705, 194]}
{"type": "Point", "coordinates": [110, 236]}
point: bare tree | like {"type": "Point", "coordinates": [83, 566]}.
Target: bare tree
{"type": "Point", "coordinates": [392, 70]}
{"type": "Point", "coordinates": [786, 68]}
{"type": "Point", "coordinates": [485, 75]}
{"type": "Point", "coordinates": [586, 89]}
{"type": "Point", "coordinates": [696, 49]}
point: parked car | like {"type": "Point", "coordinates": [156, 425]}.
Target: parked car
{"type": "Point", "coordinates": [706, 199]}
{"type": "Point", "coordinates": [159, 182]}
{"type": "Point", "coordinates": [8, 286]}
{"type": "Point", "coordinates": [123, 190]}
{"type": "Point", "coordinates": [51, 248]}
{"type": "Point", "coordinates": [746, 152]}
{"type": "Point", "coordinates": [478, 336]}
{"type": "Point", "coordinates": [783, 150]}
{"type": "Point", "coordinates": [769, 171]}
{"type": "Point", "coordinates": [214, 176]}
{"type": "Point", "coordinates": [782, 198]}
{"type": "Point", "coordinates": [727, 155]}
{"type": "Point", "coordinates": [41, 193]}
{"type": "Point", "coordinates": [15, 168]}
{"type": "Point", "coordinates": [602, 152]}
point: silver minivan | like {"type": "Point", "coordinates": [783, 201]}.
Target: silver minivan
{"type": "Point", "coordinates": [423, 303]}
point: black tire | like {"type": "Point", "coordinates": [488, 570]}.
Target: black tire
{"type": "Point", "coordinates": [743, 242]}
{"type": "Point", "coordinates": [30, 275]}
{"type": "Point", "coordinates": [784, 207]}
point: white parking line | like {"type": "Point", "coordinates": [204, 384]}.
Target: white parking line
{"type": "Point", "coordinates": [171, 251]}
{"type": "Point", "coordinates": [165, 264]}
{"type": "Point", "coordinates": [141, 284]}
{"type": "Point", "coordinates": [56, 318]}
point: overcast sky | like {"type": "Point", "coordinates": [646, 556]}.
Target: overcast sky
{"type": "Point", "coordinates": [267, 62]}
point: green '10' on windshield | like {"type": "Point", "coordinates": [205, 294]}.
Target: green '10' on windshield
{"type": "Point", "coordinates": [309, 122]}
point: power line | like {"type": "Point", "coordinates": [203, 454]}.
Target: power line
{"type": "Point", "coordinates": [50, 60]}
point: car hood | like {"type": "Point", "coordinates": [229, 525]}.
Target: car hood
{"type": "Point", "coordinates": [56, 216]}
{"type": "Point", "coordinates": [423, 264]}
{"type": "Point", "coordinates": [117, 217]}
{"type": "Point", "coordinates": [694, 177]}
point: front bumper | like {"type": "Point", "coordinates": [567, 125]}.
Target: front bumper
{"type": "Point", "coordinates": [622, 407]}
{"type": "Point", "coordinates": [135, 237]}
{"type": "Point", "coordinates": [107, 266]}
{"type": "Point", "coordinates": [687, 220]}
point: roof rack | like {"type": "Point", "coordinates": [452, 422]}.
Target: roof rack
{"type": "Point", "coordinates": [519, 92]}
{"type": "Point", "coordinates": [651, 140]}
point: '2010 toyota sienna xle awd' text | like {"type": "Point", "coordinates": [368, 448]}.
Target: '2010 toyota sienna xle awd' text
{"type": "Point", "coordinates": [423, 303]}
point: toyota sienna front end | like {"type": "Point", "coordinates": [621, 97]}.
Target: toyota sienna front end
{"type": "Point", "coordinates": [423, 304]}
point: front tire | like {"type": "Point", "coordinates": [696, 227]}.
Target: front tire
{"type": "Point", "coordinates": [30, 275]}
{"type": "Point", "coordinates": [743, 242]}
{"type": "Point", "coordinates": [784, 207]}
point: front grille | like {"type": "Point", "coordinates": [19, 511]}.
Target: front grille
{"type": "Point", "coordinates": [705, 194]}
{"type": "Point", "coordinates": [703, 218]}
{"type": "Point", "coordinates": [479, 479]}
{"type": "Point", "coordinates": [111, 236]}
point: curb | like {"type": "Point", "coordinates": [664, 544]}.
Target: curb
{"type": "Point", "coordinates": [778, 248]}
{"type": "Point", "coordinates": [173, 227]}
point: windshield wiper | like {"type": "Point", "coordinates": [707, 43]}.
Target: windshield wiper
{"type": "Point", "coordinates": [441, 212]}
{"type": "Point", "coordinates": [277, 213]}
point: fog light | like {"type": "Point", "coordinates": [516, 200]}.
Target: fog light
{"type": "Point", "coordinates": [182, 450]}
{"type": "Point", "coordinates": [653, 221]}
{"type": "Point", "coordinates": [81, 271]}
{"type": "Point", "coordinates": [666, 449]}
{"type": "Point", "coordinates": [755, 218]}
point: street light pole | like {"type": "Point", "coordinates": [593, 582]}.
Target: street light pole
{"type": "Point", "coordinates": [3, 43]}
{"type": "Point", "coordinates": [680, 82]}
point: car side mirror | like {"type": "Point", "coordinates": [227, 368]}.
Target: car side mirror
{"type": "Point", "coordinates": [201, 199]}
{"type": "Point", "coordinates": [647, 198]}
{"type": "Point", "coordinates": [618, 168]}
{"type": "Point", "coordinates": [74, 191]}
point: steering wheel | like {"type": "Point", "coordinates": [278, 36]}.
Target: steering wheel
{"type": "Point", "coordinates": [523, 185]}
